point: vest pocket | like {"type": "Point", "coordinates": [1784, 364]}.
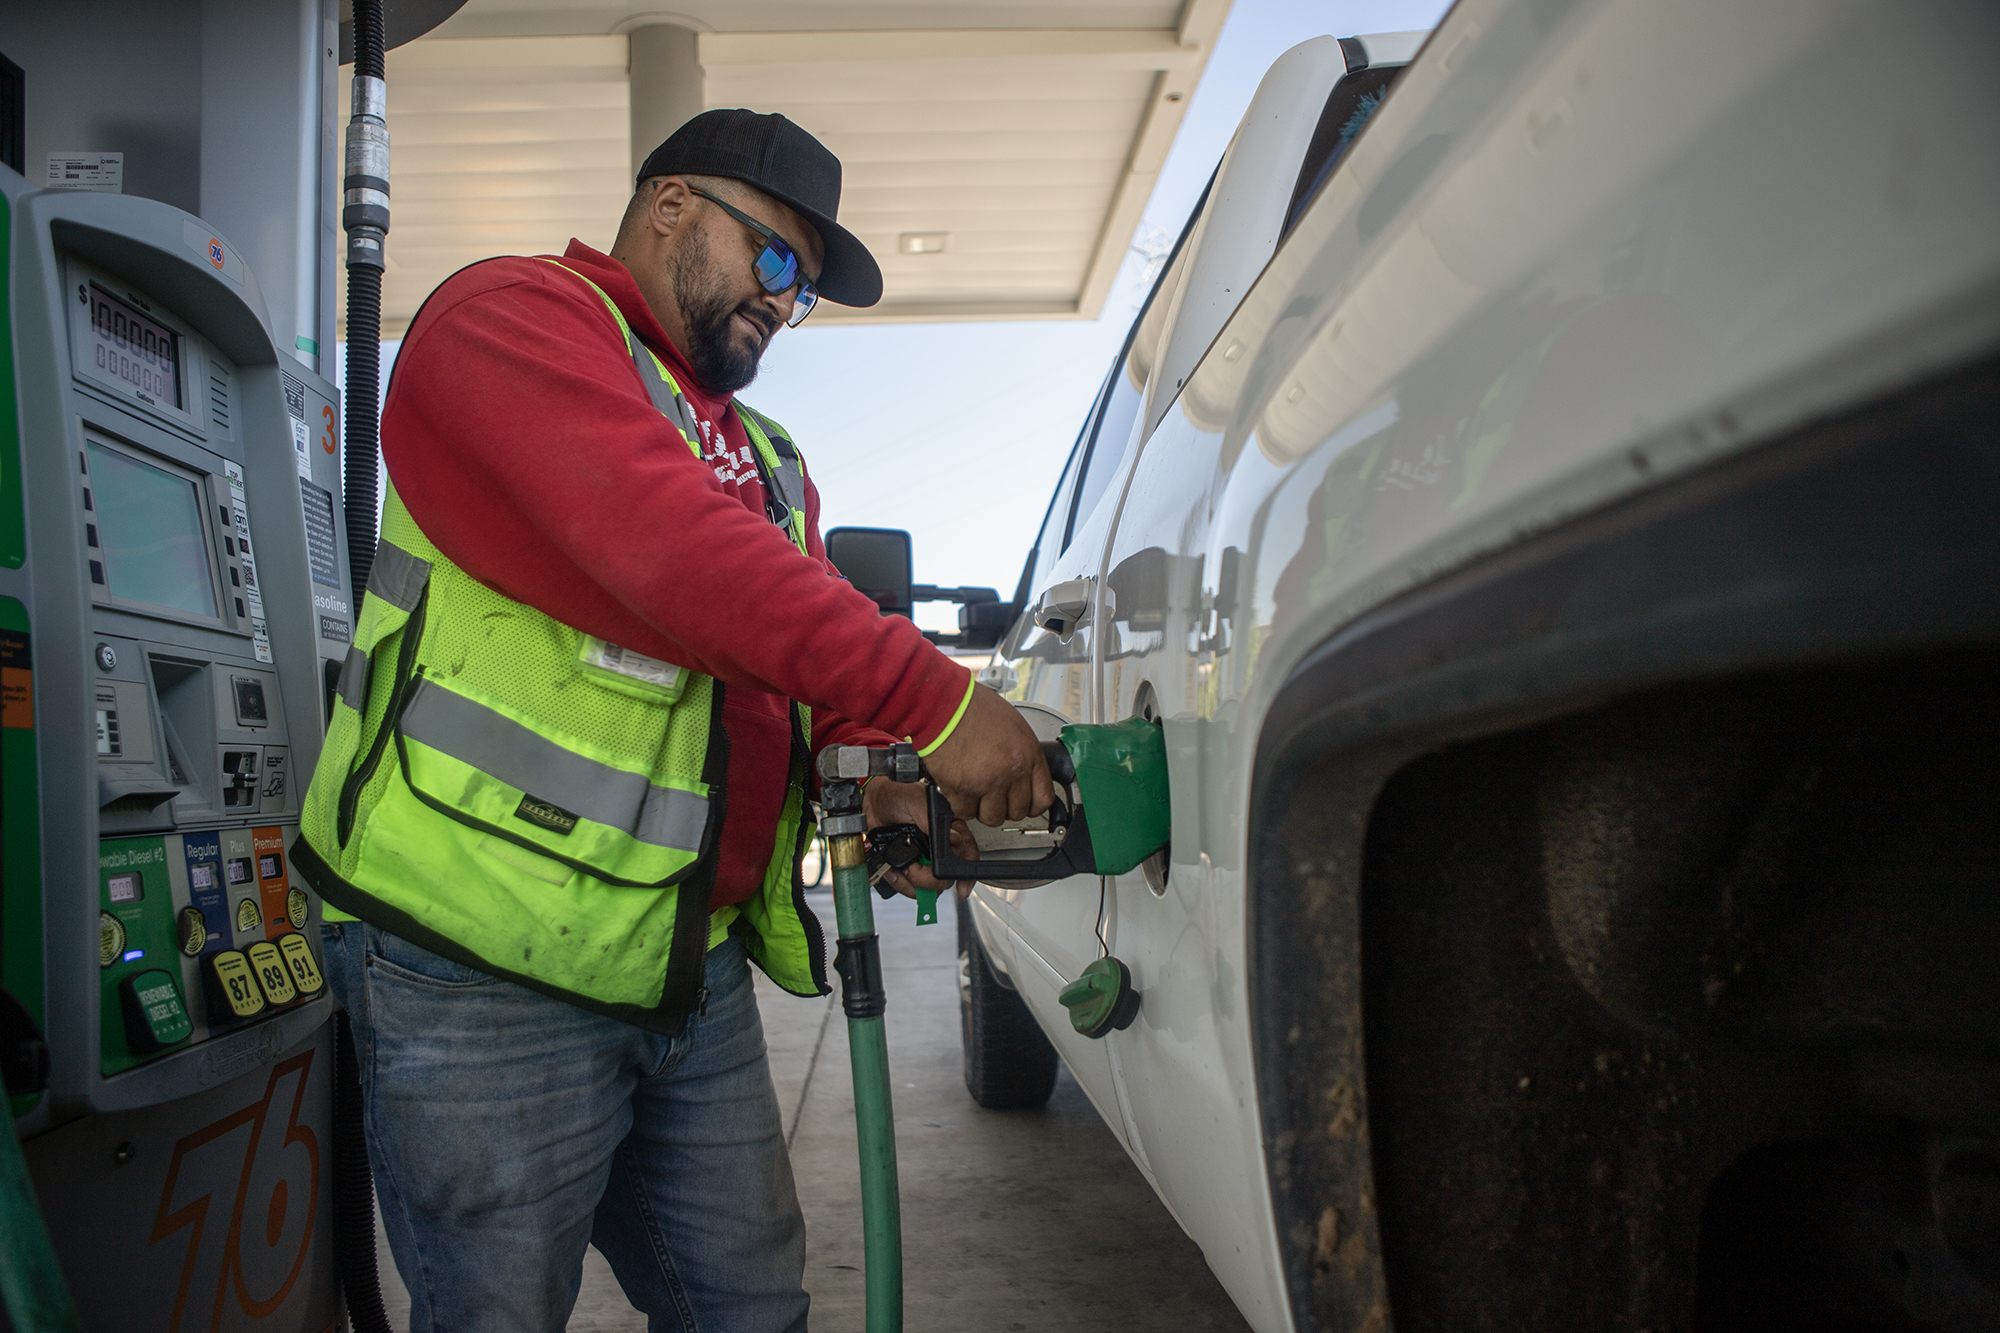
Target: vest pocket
{"type": "Point", "coordinates": [532, 864]}
{"type": "Point", "coordinates": [475, 763]}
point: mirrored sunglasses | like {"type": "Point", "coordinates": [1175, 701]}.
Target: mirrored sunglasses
{"type": "Point", "coordinates": [777, 267]}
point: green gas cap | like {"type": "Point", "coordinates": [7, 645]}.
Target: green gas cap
{"type": "Point", "coordinates": [1101, 1000]}
{"type": "Point", "coordinates": [154, 1015]}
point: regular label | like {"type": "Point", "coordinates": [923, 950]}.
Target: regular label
{"type": "Point", "coordinates": [320, 548]}
{"type": "Point", "coordinates": [234, 985]}
{"type": "Point", "coordinates": [206, 890]}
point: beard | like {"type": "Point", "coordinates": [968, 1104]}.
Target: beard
{"type": "Point", "coordinates": [721, 363]}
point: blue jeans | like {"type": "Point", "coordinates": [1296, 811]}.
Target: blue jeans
{"type": "Point", "coordinates": [508, 1130]}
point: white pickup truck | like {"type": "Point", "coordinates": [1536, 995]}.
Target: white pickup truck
{"type": "Point", "coordinates": [1556, 520]}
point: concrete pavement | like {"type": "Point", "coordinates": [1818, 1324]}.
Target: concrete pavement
{"type": "Point", "coordinates": [1013, 1221]}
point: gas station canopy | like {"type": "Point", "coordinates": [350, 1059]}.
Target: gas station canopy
{"type": "Point", "coordinates": [996, 156]}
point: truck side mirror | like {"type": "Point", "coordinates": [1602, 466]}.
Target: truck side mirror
{"type": "Point", "coordinates": [876, 561]}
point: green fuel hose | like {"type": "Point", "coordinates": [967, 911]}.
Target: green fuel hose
{"type": "Point", "coordinates": [860, 967]}
{"type": "Point", "coordinates": [33, 1294]}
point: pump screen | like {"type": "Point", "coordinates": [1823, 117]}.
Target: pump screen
{"type": "Point", "coordinates": [126, 888]}
{"type": "Point", "coordinates": [149, 521]}
{"type": "Point", "coordinates": [133, 349]}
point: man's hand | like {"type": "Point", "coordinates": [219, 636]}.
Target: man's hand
{"type": "Point", "coordinates": [991, 768]}
{"type": "Point", "coordinates": [889, 803]}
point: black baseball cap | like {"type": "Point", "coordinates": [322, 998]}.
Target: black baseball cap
{"type": "Point", "coordinates": [791, 166]}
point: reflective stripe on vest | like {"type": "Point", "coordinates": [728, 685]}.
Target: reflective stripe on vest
{"type": "Point", "coordinates": [353, 686]}
{"type": "Point", "coordinates": [468, 731]}
{"type": "Point", "coordinates": [398, 577]}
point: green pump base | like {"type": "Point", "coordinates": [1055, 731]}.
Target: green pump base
{"type": "Point", "coordinates": [1102, 999]}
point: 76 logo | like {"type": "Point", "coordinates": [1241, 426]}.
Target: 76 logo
{"type": "Point", "coordinates": [246, 1191]}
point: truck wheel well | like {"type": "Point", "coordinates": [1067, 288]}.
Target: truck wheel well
{"type": "Point", "coordinates": [1637, 980]}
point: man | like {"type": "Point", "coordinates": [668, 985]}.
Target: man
{"type": "Point", "coordinates": [562, 797]}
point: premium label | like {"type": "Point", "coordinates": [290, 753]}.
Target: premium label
{"type": "Point", "coordinates": [298, 957]}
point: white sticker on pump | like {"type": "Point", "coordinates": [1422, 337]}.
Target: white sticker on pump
{"type": "Point", "coordinates": [98, 173]}
{"type": "Point", "coordinates": [302, 448]}
{"type": "Point", "coordinates": [260, 634]}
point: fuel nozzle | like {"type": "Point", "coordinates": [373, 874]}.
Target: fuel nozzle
{"type": "Point", "coordinates": [843, 769]}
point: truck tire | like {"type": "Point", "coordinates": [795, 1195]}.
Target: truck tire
{"type": "Point", "coordinates": [1009, 1062]}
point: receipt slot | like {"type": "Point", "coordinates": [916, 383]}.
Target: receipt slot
{"type": "Point", "coordinates": [174, 606]}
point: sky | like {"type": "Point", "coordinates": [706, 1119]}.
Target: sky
{"type": "Point", "coordinates": [957, 432]}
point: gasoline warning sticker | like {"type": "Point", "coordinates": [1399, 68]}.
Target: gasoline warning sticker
{"type": "Point", "coordinates": [302, 449]}
{"type": "Point", "coordinates": [253, 592]}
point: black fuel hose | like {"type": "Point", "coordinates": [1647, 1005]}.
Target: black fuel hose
{"type": "Point", "coordinates": [364, 215]}
{"type": "Point", "coordinates": [353, 1191]}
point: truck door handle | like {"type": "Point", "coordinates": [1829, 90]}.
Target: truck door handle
{"type": "Point", "coordinates": [1065, 606]}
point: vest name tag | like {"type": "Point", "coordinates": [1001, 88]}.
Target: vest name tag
{"type": "Point", "coordinates": [651, 671]}
{"type": "Point", "coordinates": [542, 814]}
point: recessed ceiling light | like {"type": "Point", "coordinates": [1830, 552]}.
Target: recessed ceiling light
{"type": "Point", "coordinates": [922, 242]}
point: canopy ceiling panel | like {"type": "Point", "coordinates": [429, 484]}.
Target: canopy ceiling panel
{"type": "Point", "coordinates": [1023, 138]}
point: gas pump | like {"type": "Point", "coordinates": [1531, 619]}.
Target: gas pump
{"type": "Point", "coordinates": [181, 595]}
{"type": "Point", "coordinates": [175, 607]}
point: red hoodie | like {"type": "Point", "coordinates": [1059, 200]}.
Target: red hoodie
{"type": "Point", "coordinates": [521, 439]}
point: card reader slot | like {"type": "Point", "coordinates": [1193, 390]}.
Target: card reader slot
{"type": "Point", "coordinates": [187, 709]}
